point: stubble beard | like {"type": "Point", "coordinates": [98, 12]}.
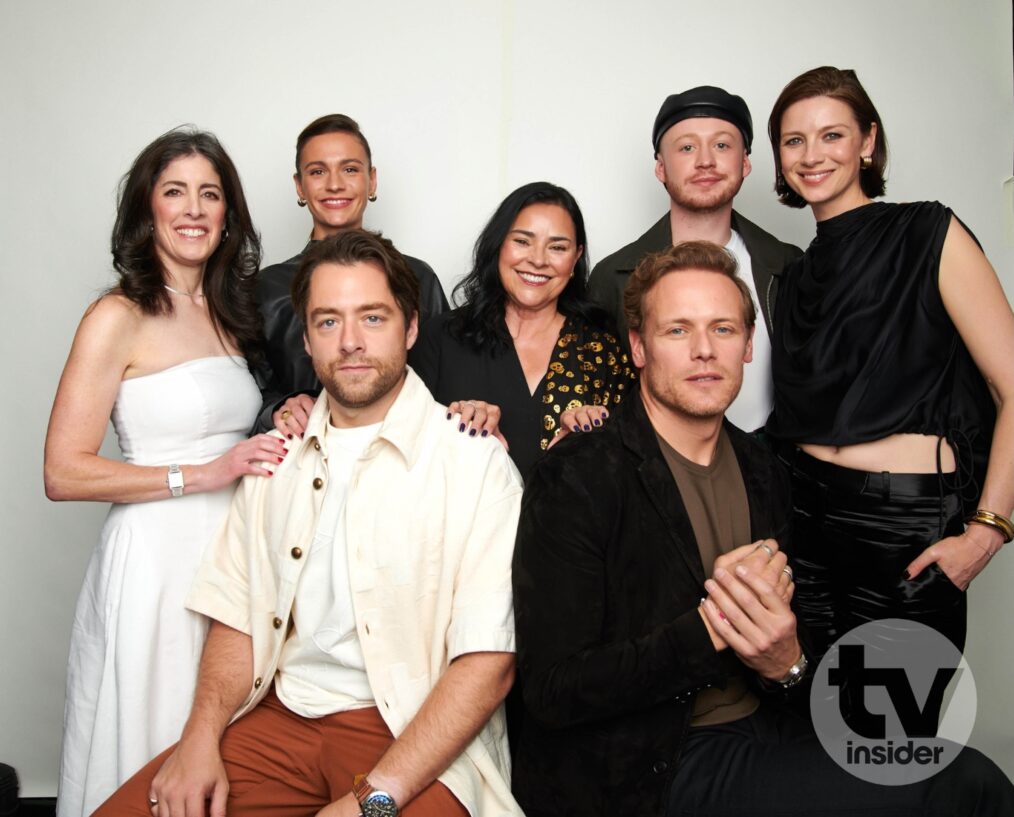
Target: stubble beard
{"type": "Point", "coordinates": [703, 202]}
{"type": "Point", "coordinates": [668, 394]}
{"type": "Point", "coordinates": [359, 393]}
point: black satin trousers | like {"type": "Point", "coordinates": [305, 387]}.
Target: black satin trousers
{"type": "Point", "coordinates": [854, 534]}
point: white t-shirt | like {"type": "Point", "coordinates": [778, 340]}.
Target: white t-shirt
{"type": "Point", "coordinates": [321, 669]}
{"type": "Point", "coordinates": [751, 408]}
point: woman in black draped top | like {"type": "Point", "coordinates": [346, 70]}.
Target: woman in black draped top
{"type": "Point", "coordinates": [894, 380]}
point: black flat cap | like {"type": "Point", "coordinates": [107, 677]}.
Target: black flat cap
{"type": "Point", "coordinates": [705, 100]}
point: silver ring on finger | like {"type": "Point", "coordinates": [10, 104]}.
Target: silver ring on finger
{"type": "Point", "coordinates": [766, 548]}
{"type": "Point", "coordinates": [788, 572]}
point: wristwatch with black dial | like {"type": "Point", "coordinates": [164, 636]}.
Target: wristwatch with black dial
{"type": "Point", "coordinates": [373, 802]}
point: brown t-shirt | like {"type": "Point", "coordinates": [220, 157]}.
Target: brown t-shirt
{"type": "Point", "coordinates": [715, 499]}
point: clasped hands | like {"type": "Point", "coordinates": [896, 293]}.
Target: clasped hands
{"type": "Point", "coordinates": [747, 608]}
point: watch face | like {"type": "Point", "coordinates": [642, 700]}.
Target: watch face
{"type": "Point", "coordinates": [379, 804]}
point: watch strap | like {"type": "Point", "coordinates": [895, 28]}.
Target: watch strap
{"type": "Point", "coordinates": [174, 479]}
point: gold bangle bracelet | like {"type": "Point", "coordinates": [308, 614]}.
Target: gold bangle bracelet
{"type": "Point", "coordinates": [993, 520]}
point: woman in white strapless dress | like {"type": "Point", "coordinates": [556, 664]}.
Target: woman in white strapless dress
{"type": "Point", "coordinates": [165, 355]}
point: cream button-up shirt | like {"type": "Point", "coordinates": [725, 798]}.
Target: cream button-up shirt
{"type": "Point", "coordinates": [430, 524]}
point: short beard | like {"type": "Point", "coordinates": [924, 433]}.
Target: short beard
{"type": "Point", "coordinates": [360, 395]}
{"type": "Point", "coordinates": [703, 204]}
{"type": "Point", "coordinates": [669, 398]}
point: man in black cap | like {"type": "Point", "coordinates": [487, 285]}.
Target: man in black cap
{"type": "Point", "coordinates": [702, 140]}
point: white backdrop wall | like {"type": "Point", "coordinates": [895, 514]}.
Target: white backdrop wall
{"type": "Point", "coordinates": [461, 102]}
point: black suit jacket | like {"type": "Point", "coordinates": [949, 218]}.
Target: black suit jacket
{"type": "Point", "coordinates": [768, 258]}
{"type": "Point", "coordinates": [289, 369]}
{"type": "Point", "coordinates": [611, 646]}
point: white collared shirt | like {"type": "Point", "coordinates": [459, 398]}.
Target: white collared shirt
{"type": "Point", "coordinates": [430, 522]}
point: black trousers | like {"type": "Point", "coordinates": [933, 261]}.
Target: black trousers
{"type": "Point", "coordinates": [854, 534]}
{"type": "Point", "coordinates": [771, 763]}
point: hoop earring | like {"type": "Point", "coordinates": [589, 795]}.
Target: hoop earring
{"type": "Point", "coordinates": [372, 197]}
{"type": "Point", "coordinates": [865, 162]}
{"type": "Point", "coordinates": [301, 202]}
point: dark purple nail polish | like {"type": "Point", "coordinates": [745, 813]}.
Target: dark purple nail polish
{"type": "Point", "coordinates": [596, 422]}
{"type": "Point", "coordinates": [485, 433]}
{"type": "Point", "coordinates": [907, 576]}
{"type": "Point", "coordinates": [461, 427]}
{"type": "Point", "coordinates": [587, 427]}
{"type": "Point", "coordinates": [448, 415]}
{"type": "Point", "coordinates": [471, 433]}
{"type": "Point", "coordinates": [577, 428]}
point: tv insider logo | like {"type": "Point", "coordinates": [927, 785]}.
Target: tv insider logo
{"type": "Point", "coordinates": [893, 702]}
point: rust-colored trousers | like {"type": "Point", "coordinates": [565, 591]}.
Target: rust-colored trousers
{"type": "Point", "coordinates": [279, 763]}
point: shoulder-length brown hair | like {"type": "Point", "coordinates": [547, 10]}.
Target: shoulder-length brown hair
{"type": "Point", "coordinates": [231, 271]}
{"type": "Point", "coordinates": [843, 85]}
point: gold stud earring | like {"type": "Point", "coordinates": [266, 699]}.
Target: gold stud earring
{"type": "Point", "coordinates": [866, 162]}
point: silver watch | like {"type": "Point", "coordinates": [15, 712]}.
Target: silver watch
{"type": "Point", "coordinates": [174, 479]}
{"type": "Point", "coordinates": [795, 674]}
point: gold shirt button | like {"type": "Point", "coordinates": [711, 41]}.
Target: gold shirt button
{"type": "Point", "coordinates": [318, 483]}
{"type": "Point", "coordinates": [277, 623]}
{"type": "Point", "coordinates": [257, 683]}
{"type": "Point", "coordinates": [316, 446]}
{"type": "Point", "coordinates": [296, 553]}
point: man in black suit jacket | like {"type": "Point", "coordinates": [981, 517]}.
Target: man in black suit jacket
{"type": "Point", "coordinates": [656, 642]}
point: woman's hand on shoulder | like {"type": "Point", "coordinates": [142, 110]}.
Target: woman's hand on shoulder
{"type": "Point", "coordinates": [250, 457]}
{"type": "Point", "coordinates": [292, 416]}
{"type": "Point", "coordinates": [477, 418]}
{"type": "Point", "coordinates": [580, 418]}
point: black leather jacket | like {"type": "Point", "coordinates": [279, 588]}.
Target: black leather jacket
{"type": "Point", "coordinates": [288, 369]}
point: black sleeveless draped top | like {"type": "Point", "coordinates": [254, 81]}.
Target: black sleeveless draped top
{"type": "Point", "coordinates": [862, 345]}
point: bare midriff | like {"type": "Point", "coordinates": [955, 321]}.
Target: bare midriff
{"type": "Point", "coordinates": [899, 454]}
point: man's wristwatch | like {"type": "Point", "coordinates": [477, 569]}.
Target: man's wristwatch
{"type": "Point", "coordinates": [372, 802]}
{"type": "Point", "coordinates": [795, 674]}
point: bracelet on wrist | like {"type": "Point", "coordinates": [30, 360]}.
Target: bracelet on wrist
{"type": "Point", "coordinates": [993, 520]}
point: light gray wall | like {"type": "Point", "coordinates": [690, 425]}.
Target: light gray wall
{"type": "Point", "coordinates": [461, 102]}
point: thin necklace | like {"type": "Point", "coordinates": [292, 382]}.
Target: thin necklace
{"type": "Point", "coordinates": [194, 294]}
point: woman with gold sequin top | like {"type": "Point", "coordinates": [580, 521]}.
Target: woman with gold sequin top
{"type": "Point", "coordinates": [525, 345]}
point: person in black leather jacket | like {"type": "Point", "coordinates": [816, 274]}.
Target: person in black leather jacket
{"type": "Point", "coordinates": [335, 178]}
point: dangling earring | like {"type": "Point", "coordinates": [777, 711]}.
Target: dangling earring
{"type": "Point", "coordinates": [301, 202]}
{"type": "Point", "coordinates": [372, 197]}
{"type": "Point", "coordinates": [866, 162]}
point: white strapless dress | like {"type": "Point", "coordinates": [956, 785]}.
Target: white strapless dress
{"type": "Point", "coordinates": [134, 648]}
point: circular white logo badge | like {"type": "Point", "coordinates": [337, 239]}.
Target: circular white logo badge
{"type": "Point", "coordinates": [893, 702]}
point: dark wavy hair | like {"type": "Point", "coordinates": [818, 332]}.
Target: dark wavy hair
{"type": "Point", "coordinates": [480, 320]}
{"type": "Point", "coordinates": [229, 282]}
{"type": "Point", "coordinates": [843, 85]}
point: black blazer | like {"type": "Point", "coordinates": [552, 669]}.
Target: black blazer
{"type": "Point", "coordinates": [611, 647]}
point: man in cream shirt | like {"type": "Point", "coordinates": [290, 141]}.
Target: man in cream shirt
{"type": "Point", "coordinates": [362, 632]}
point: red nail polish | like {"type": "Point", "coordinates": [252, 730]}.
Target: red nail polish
{"type": "Point", "coordinates": [280, 459]}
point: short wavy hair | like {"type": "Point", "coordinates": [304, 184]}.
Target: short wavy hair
{"type": "Point", "coordinates": [358, 247]}
{"type": "Point", "coordinates": [843, 85]}
{"type": "Point", "coordinates": [687, 255]}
